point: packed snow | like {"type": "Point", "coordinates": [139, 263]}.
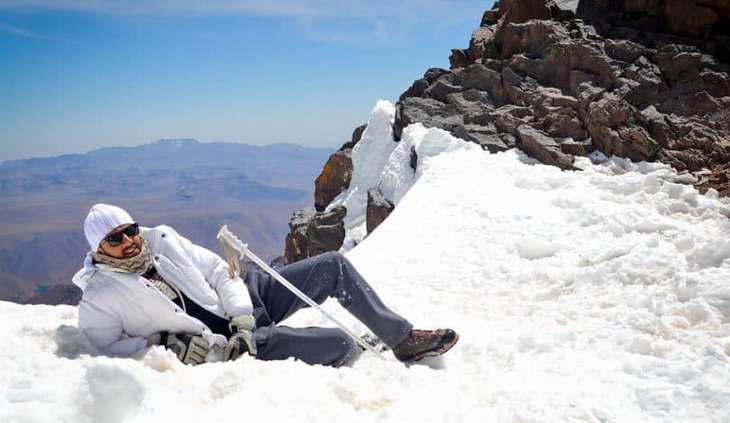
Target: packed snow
{"type": "Point", "coordinates": [600, 295]}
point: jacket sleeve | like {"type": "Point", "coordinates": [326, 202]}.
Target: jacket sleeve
{"type": "Point", "coordinates": [232, 292]}
{"type": "Point", "coordinates": [105, 332]}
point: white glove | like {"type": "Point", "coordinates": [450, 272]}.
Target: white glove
{"type": "Point", "coordinates": [242, 341]}
{"type": "Point", "coordinates": [190, 349]}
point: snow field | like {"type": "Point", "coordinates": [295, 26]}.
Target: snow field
{"type": "Point", "coordinates": [595, 296]}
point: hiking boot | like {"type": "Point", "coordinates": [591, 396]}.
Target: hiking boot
{"type": "Point", "coordinates": [420, 344]}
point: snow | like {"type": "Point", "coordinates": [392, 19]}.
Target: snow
{"type": "Point", "coordinates": [600, 295]}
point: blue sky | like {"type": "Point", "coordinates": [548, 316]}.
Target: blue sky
{"type": "Point", "coordinates": [76, 75]}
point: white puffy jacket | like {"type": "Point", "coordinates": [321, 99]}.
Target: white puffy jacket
{"type": "Point", "coordinates": [119, 310]}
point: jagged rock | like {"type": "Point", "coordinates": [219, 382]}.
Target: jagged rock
{"type": "Point", "coordinates": [529, 38]}
{"type": "Point", "coordinates": [624, 50]}
{"type": "Point", "coordinates": [659, 128]}
{"type": "Point", "coordinates": [689, 18]}
{"type": "Point", "coordinates": [678, 64]}
{"type": "Point", "coordinates": [428, 111]}
{"type": "Point", "coordinates": [485, 136]}
{"type": "Point", "coordinates": [518, 11]}
{"type": "Point", "coordinates": [312, 233]}
{"type": "Point", "coordinates": [544, 148]}
{"type": "Point", "coordinates": [482, 40]}
{"type": "Point", "coordinates": [378, 209]}
{"type": "Point", "coordinates": [440, 90]}
{"type": "Point", "coordinates": [506, 119]}
{"type": "Point", "coordinates": [471, 105]}
{"type": "Point", "coordinates": [563, 122]}
{"type": "Point", "coordinates": [612, 75]}
{"type": "Point", "coordinates": [614, 129]}
{"type": "Point", "coordinates": [477, 79]}
{"type": "Point", "coordinates": [577, 148]}
{"type": "Point", "coordinates": [420, 85]}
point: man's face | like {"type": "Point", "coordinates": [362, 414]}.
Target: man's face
{"type": "Point", "coordinates": [129, 246]}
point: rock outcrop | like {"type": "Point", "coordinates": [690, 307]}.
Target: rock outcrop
{"type": "Point", "coordinates": [623, 77]}
{"type": "Point", "coordinates": [313, 231]}
{"type": "Point", "coordinates": [643, 79]}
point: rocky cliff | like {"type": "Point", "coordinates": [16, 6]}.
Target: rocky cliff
{"type": "Point", "coordinates": [643, 79]}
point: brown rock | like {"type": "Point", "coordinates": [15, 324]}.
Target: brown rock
{"type": "Point", "coordinates": [718, 178]}
{"type": "Point", "coordinates": [577, 148]}
{"type": "Point", "coordinates": [440, 90]}
{"type": "Point", "coordinates": [518, 11]}
{"type": "Point", "coordinates": [659, 127]}
{"type": "Point", "coordinates": [480, 78]}
{"type": "Point", "coordinates": [485, 136]}
{"type": "Point", "coordinates": [538, 145]}
{"type": "Point", "coordinates": [624, 50]}
{"type": "Point", "coordinates": [482, 40]}
{"type": "Point", "coordinates": [529, 38]}
{"type": "Point", "coordinates": [378, 209]}
{"type": "Point", "coordinates": [679, 64]}
{"type": "Point", "coordinates": [473, 105]}
{"type": "Point", "coordinates": [312, 233]}
{"type": "Point", "coordinates": [689, 18]}
{"type": "Point", "coordinates": [335, 178]}
{"type": "Point", "coordinates": [614, 130]}
{"type": "Point", "coordinates": [429, 112]}
{"type": "Point", "coordinates": [564, 122]}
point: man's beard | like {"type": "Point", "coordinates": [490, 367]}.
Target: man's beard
{"type": "Point", "coordinates": [138, 263]}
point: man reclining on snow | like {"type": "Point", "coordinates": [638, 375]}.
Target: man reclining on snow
{"type": "Point", "coordinates": [151, 286]}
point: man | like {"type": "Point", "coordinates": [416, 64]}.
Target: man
{"type": "Point", "coordinates": [151, 286]}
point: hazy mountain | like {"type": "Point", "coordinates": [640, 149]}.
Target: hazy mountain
{"type": "Point", "coordinates": [194, 187]}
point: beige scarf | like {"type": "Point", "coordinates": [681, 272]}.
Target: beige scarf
{"type": "Point", "coordinates": [139, 264]}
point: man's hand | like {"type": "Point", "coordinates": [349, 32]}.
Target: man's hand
{"type": "Point", "coordinates": [190, 349]}
{"type": "Point", "coordinates": [242, 341]}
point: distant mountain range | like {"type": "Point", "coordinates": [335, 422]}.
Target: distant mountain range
{"type": "Point", "coordinates": [194, 187]}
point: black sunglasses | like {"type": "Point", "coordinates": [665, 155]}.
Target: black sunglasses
{"type": "Point", "coordinates": [116, 238]}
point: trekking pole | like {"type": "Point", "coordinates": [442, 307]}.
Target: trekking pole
{"type": "Point", "coordinates": [232, 245]}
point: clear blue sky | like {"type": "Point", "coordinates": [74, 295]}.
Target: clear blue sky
{"type": "Point", "coordinates": [76, 75]}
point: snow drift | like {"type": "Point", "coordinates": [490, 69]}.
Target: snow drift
{"type": "Point", "coordinates": [595, 295]}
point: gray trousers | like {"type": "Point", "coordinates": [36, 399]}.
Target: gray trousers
{"type": "Point", "coordinates": [327, 275]}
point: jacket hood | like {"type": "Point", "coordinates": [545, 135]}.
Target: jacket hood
{"type": "Point", "coordinates": [81, 278]}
